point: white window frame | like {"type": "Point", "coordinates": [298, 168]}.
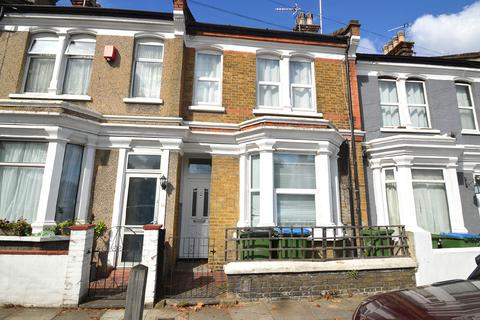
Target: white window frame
{"type": "Point", "coordinates": [390, 103]}
{"type": "Point", "coordinates": [148, 42]}
{"type": "Point", "coordinates": [207, 106]}
{"type": "Point", "coordinates": [30, 55]}
{"type": "Point", "coordinates": [403, 106]}
{"type": "Point", "coordinates": [425, 105]}
{"type": "Point", "coordinates": [68, 56]}
{"type": "Point", "coordinates": [269, 83]}
{"type": "Point", "coordinates": [472, 107]}
{"type": "Point", "coordinates": [384, 192]}
{"type": "Point", "coordinates": [249, 188]}
{"type": "Point", "coordinates": [313, 102]}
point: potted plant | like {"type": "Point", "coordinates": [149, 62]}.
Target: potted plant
{"type": "Point", "coordinates": [19, 228]}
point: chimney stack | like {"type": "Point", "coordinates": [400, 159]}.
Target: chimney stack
{"type": "Point", "coordinates": [351, 29]}
{"type": "Point", "coordinates": [398, 46]}
{"type": "Point", "coordinates": [304, 23]}
{"type": "Point", "coordinates": [84, 3]}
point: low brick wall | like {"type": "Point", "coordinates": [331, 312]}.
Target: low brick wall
{"type": "Point", "coordinates": [314, 284]}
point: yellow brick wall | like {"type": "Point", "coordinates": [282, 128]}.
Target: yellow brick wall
{"type": "Point", "coordinates": [224, 210]}
{"type": "Point", "coordinates": [12, 61]}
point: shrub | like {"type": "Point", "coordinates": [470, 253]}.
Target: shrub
{"type": "Point", "coordinates": [19, 228]}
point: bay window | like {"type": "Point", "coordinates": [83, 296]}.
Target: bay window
{"type": "Point", "coordinates": [295, 188]}
{"type": "Point", "coordinates": [255, 190]}
{"type": "Point", "coordinates": [391, 197]}
{"type": "Point", "coordinates": [465, 106]}
{"type": "Point", "coordinates": [69, 182]}
{"type": "Point", "coordinates": [268, 82]}
{"type": "Point", "coordinates": [403, 103]}
{"type": "Point", "coordinates": [79, 53]}
{"type": "Point", "coordinates": [41, 62]}
{"type": "Point", "coordinates": [301, 84]}
{"type": "Point", "coordinates": [21, 174]}
{"type": "Point", "coordinates": [208, 78]}
{"type": "Point", "coordinates": [431, 204]}
{"type": "Point", "coordinates": [147, 72]}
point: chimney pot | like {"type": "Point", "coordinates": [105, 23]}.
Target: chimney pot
{"type": "Point", "coordinates": [401, 36]}
{"type": "Point", "coordinates": [309, 18]}
{"type": "Point", "coordinates": [395, 41]}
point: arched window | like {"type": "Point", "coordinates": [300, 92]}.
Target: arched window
{"type": "Point", "coordinates": [79, 56]}
{"type": "Point", "coordinates": [268, 81]}
{"type": "Point", "coordinates": [148, 64]}
{"type": "Point", "coordinates": [41, 62]}
{"type": "Point", "coordinates": [301, 84]}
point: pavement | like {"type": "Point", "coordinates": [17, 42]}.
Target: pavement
{"type": "Point", "coordinates": [319, 309]}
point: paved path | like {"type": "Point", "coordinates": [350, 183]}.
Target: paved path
{"type": "Point", "coordinates": [333, 309]}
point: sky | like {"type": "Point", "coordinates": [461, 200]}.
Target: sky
{"type": "Point", "coordinates": [438, 27]}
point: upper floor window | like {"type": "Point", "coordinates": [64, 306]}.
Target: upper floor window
{"type": "Point", "coordinates": [48, 55]}
{"type": "Point", "coordinates": [465, 106]}
{"type": "Point", "coordinates": [403, 103]}
{"type": "Point", "coordinates": [41, 62]}
{"type": "Point", "coordinates": [79, 55]}
{"type": "Point", "coordinates": [285, 83]}
{"type": "Point", "coordinates": [208, 78]}
{"type": "Point", "coordinates": [301, 84]}
{"type": "Point", "coordinates": [147, 72]}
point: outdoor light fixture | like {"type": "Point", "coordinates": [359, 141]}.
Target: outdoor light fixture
{"type": "Point", "coordinates": [163, 182]}
{"type": "Point", "coordinates": [476, 186]}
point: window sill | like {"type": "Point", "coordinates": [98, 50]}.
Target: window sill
{"type": "Point", "coordinates": [287, 112]}
{"type": "Point", "coordinates": [47, 96]}
{"type": "Point", "coordinates": [143, 100]}
{"type": "Point", "coordinates": [470, 132]}
{"type": "Point", "coordinates": [207, 108]}
{"type": "Point", "coordinates": [410, 130]}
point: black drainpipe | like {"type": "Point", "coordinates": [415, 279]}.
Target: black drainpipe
{"type": "Point", "coordinates": [2, 12]}
{"type": "Point", "coordinates": [356, 203]}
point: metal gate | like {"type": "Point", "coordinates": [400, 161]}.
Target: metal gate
{"type": "Point", "coordinates": [192, 276]}
{"type": "Point", "coordinates": [114, 254]}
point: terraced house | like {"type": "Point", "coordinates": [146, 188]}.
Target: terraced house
{"type": "Point", "coordinates": [224, 158]}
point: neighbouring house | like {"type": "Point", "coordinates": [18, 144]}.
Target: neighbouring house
{"type": "Point", "coordinates": [219, 156]}
{"type": "Point", "coordinates": [422, 144]}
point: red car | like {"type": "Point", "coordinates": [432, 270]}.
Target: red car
{"type": "Point", "coordinates": [454, 299]}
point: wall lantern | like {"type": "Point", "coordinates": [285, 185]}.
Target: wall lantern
{"type": "Point", "coordinates": [163, 182]}
{"type": "Point", "coordinates": [476, 186]}
{"type": "Point", "coordinates": [110, 53]}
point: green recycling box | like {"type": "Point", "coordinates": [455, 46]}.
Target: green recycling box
{"type": "Point", "coordinates": [292, 243]}
{"type": "Point", "coordinates": [256, 245]}
{"type": "Point", "coordinates": [376, 241]}
{"type": "Point", "coordinates": [455, 240]}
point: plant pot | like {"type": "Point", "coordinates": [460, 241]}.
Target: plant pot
{"type": "Point", "coordinates": [7, 232]}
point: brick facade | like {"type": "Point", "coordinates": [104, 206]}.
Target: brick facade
{"type": "Point", "coordinates": [224, 201]}
{"type": "Point", "coordinates": [12, 62]}
{"type": "Point", "coordinates": [315, 284]}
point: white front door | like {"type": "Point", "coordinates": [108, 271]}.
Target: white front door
{"type": "Point", "coordinates": [195, 216]}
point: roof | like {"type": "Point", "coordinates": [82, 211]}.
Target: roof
{"type": "Point", "coordinates": [89, 11]}
{"type": "Point", "coordinates": [199, 28]}
{"type": "Point", "coordinates": [464, 56]}
{"type": "Point", "coordinates": [438, 61]}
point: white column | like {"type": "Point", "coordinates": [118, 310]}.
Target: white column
{"type": "Point", "coordinates": [78, 265]}
{"type": "Point", "coordinates": [85, 183]}
{"type": "Point", "coordinates": [243, 219]}
{"type": "Point", "coordinates": [406, 203]}
{"type": "Point", "coordinates": [119, 188]}
{"type": "Point", "coordinates": [162, 201]}
{"type": "Point", "coordinates": [323, 203]}
{"type": "Point", "coordinates": [50, 185]}
{"type": "Point", "coordinates": [267, 214]}
{"type": "Point", "coordinates": [151, 238]}
{"type": "Point", "coordinates": [285, 83]}
{"type": "Point", "coordinates": [402, 99]}
{"type": "Point", "coordinates": [378, 192]}
{"type": "Point", "coordinates": [57, 68]}
{"type": "Point", "coordinates": [337, 219]}
{"type": "Point", "coordinates": [453, 195]}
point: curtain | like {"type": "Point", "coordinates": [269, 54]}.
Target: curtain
{"type": "Point", "coordinates": [255, 208]}
{"type": "Point", "coordinates": [149, 52]}
{"type": "Point", "coordinates": [467, 119]}
{"type": "Point", "coordinates": [302, 98]}
{"type": "Point", "coordinates": [296, 210]}
{"type": "Point", "coordinates": [418, 117]}
{"type": "Point", "coordinates": [268, 71]}
{"type": "Point", "coordinates": [255, 174]}
{"type": "Point", "coordinates": [390, 116]}
{"type": "Point", "coordinates": [208, 65]}
{"type": "Point", "coordinates": [431, 206]}
{"type": "Point", "coordinates": [463, 96]}
{"type": "Point", "coordinates": [40, 71]}
{"type": "Point", "coordinates": [301, 72]}
{"type": "Point", "coordinates": [69, 181]}
{"type": "Point", "coordinates": [77, 76]}
{"type": "Point", "coordinates": [208, 92]}
{"type": "Point", "coordinates": [20, 186]}
{"type": "Point", "coordinates": [415, 93]}
{"type": "Point", "coordinates": [388, 96]}
{"type": "Point", "coordinates": [392, 203]}
{"type": "Point", "coordinates": [294, 171]}
{"type": "Point", "coordinates": [146, 83]}
{"type": "Point", "coordinates": [415, 96]}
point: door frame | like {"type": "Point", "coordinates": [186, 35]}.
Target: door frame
{"type": "Point", "coordinates": [186, 179]}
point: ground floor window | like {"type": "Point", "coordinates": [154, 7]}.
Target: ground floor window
{"type": "Point", "coordinates": [431, 202]}
{"type": "Point", "coordinates": [21, 174]}
{"type": "Point", "coordinates": [392, 197]}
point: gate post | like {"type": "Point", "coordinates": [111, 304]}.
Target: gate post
{"type": "Point", "coordinates": [78, 264]}
{"type": "Point", "coordinates": [150, 259]}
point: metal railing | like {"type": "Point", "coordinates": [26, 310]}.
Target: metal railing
{"type": "Point", "coordinates": [315, 243]}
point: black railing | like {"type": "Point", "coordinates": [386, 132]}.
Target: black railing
{"type": "Point", "coordinates": [315, 243]}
